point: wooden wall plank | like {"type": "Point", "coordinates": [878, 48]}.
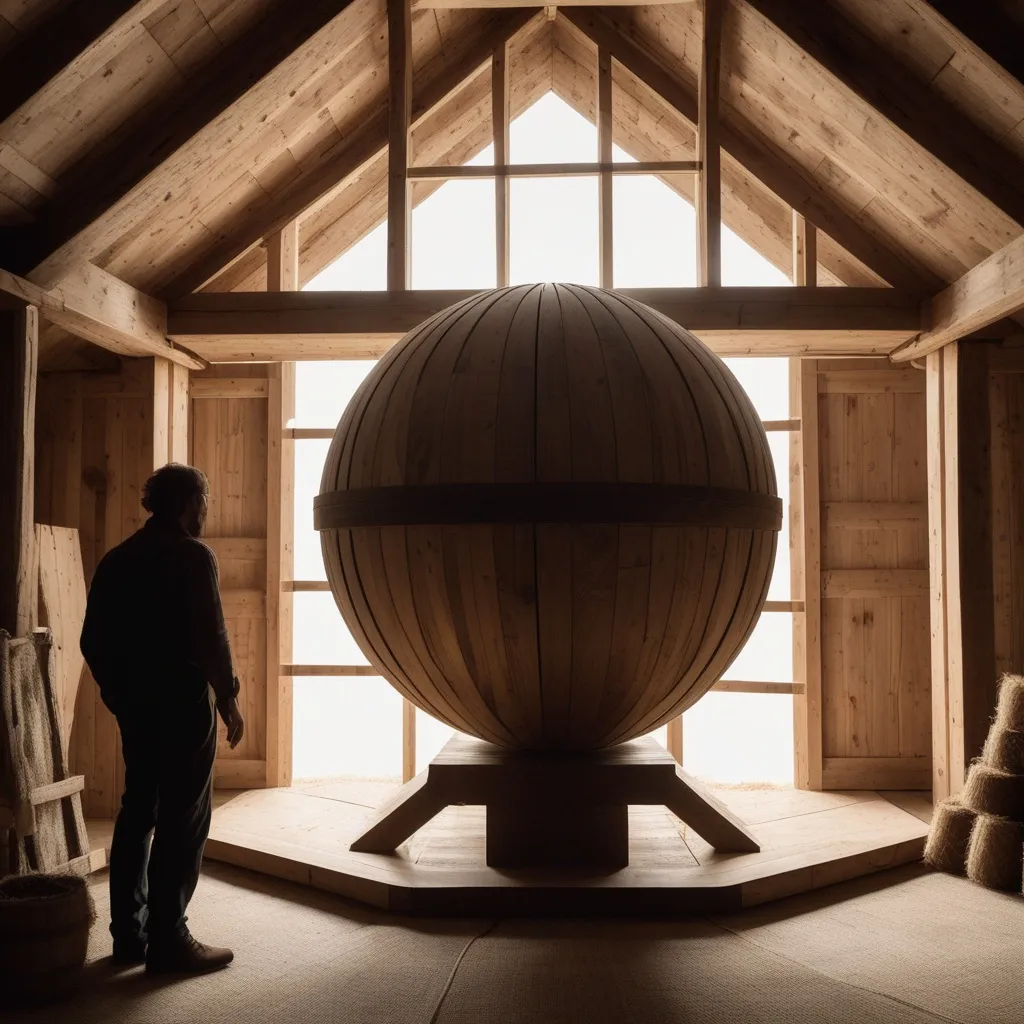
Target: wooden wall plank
{"type": "Point", "coordinates": [19, 357]}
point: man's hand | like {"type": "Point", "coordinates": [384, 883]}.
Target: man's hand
{"type": "Point", "coordinates": [232, 718]}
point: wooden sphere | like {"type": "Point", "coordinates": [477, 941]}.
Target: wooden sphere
{"type": "Point", "coordinates": [549, 517]}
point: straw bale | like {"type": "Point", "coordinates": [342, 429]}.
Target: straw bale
{"type": "Point", "coordinates": [995, 854]}
{"type": "Point", "coordinates": [946, 849]}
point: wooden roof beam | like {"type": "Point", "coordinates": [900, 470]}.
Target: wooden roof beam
{"type": "Point", "coordinates": [992, 290]}
{"type": "Point", "coordinates": [255, 326]}
{"type": "Point", "coordinates": [70, 230]}
{"type": "Point", "coordinates": [360, 149]}
{"type": "Point", "coordinates": [60, 42]}
{"type": "Point", "coordinates": [761, 158]}
{"type": "Point", "coordinates": [494, 4]}
{"type": "Point", "coordinates": [864, 68]}
{"type": "Point", "coordinates": [94, 305]}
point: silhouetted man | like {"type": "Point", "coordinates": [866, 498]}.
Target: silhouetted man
{"type": "Point", "coordinates": [155, 641]}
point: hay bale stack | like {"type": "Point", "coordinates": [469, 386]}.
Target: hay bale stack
{"type": "Point", "coordinates": [949, 836]}
{"type": "Point", "coordinates": [990, 791]}
{"type": "Point", "coordinates": [1004, 750]}
{"type": "Point", "coordinates": [995, 854]}
{"type": "Point", "coordinates": [1010, 712]}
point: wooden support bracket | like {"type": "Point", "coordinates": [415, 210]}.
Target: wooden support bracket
{"type": "Point", "coordinates": [536, 790]}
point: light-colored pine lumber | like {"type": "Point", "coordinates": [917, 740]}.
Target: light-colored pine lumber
{"type": "Point", "coordinates": [19, 354]}
{"type": "Point", "coordinates": [605, 219]}
{"type": "Point", "coordinates": [102, 309]}
{"type": "Point", "coordinates": [805, 252]}
{"type": "Point", "coordinates": [709, 180]}
{"type": "Point", "coordinates": [500, 120]}
{"type": "Point", "coordinates": [399, 133]}
{"type": "Point", "coordinates": [988, 292]}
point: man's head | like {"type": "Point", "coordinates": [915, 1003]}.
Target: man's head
{"type": "Point", "coordinates": [177, 492]}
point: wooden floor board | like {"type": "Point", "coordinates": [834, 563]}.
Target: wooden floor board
{"type": "Point", "coordinates": [808, 840]}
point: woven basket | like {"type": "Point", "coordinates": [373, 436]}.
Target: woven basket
{"type": "Point", "coordinates": [44, 935]}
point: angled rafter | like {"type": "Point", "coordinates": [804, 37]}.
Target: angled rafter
{"type": "Point", "coordinates": [362, 147]}
{"type": "Point", "coordinates": [936, 125]}
{"type": "Point", "coordinates": [759, 157]}
{"type": "Point", "coordinates": [102, 309]}
{"type": "Point", "coordinates": [76, 225]}
{"type": "Point", "coordinates": [50, 49]}
{"type": "Point", "coordinates": [992, 290]}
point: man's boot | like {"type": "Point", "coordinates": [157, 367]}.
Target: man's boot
{"type": "Point", "coordinates": [180, 953]}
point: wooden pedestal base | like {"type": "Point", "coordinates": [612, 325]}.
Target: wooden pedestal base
{"type": "Point", "coordinates": [555, 810]}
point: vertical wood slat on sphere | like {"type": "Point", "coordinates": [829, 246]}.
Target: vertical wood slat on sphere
{"type": "Point", "coordinates": [523, 626]}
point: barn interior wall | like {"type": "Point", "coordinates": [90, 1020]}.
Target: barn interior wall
{"type": "Point", "coordinates": [97, 437]}
{"type": "Point", "coordinates": [228, 438]}
{"type": "Point", "coordinates": [865, 722]}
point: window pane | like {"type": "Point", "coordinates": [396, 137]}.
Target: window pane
{"type": "Point", "coordinates": [782, 584]}
{"type": "Point", "coordinates": [431, 736]}
{"type": "Point", "coordinates": [768, 654]}
{"type": "Point", "coordinates": [346, 727]}
{"type": "Point", "coordinates": [653, 234]}
{"type": "Point", "coordinates": [323, 389]}
{"type": "Point", "coordinates": [766, 382]}
{"type": "Point", "coordinates": [552, 132]}
{"type": "Point", "coordinates": [740, 737]}
{"type": "Point", "coordinates": [320, 634]}
{"type": "Point", "coordinates": [453, 237]}
{"type": "Point", "coordinates": [553, 230]}
{"type": "Point", "coordinates": [309, 464]}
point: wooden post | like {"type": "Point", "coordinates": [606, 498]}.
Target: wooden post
{"type": "Point", "coordinates": [282, 275]}
{"type": "Point", "coordinates": [805, 569]}
{"type": "Point", "coordinates": [399, 120]}
{"type": "Point", "coordinates": [500, 123]}
{"type": "Point", "coordinates": [399, 249]}
{"type": "Point", "coordinates": [960, 560]}
{"type": "Point", "coordinates": [674, 738]}
{"type": "Point", "coordinates": [805, 252]}
{"type": "Point", "coordinates": [408, 740]}
{"type": "Point", "coordinates": [604, 156]}
{"type": "Point", "coordinates": [709, 180]}
{"type": "Point", "coordinates": [19, 358]}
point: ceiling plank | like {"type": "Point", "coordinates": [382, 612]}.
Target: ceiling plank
{"type": "Point", "coordinates": [70, 230]}
{"type": "Point", "coordinates": [984, 295]}
{"type": "Point", "coordinates": [56, 43]}
{"type": "Point", "coordinates": [249, 326]}
{"type": "Point", "coordinates": [995, 27]}
{"type": "Point", "coordinates": [861, 65]}
{"type": "Point", "coordinates": [94, 305]}
{"type": "Point", "coordinates": [760, 157]}
{"type": "Point", "coordinates": [362, 148]}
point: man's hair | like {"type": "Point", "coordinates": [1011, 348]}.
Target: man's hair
{"type": "Point", "coordinates": [170, 489]}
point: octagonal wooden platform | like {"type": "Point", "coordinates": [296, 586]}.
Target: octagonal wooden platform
{"type": "Point", "coordinates": [808, 840]}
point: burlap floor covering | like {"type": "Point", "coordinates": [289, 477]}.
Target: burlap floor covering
{"type": "Point", "coordinates": [907, 947]}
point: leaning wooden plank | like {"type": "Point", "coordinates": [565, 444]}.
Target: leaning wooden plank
{"type": "Point", "coordinates": [57, 790]}
{"type": "Point", "coordinates": [62, 592]}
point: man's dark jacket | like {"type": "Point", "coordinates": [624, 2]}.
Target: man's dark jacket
{"type": "Point", "coordinates": [154, 633]}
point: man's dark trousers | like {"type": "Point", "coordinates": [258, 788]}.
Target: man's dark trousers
{"type": "Point", "coordinates": [169, 749]}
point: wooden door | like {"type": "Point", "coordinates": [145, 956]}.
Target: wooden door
{"type": "Point", "coordinates": [861, 544]}
{"type": "Point", "coordinates": [231, 412]}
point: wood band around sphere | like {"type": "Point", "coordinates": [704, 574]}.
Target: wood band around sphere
{"type": "Point", "coordinates": [523, 504]}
